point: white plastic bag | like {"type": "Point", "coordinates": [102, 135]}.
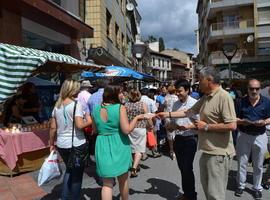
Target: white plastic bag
{"type": "Point", "coordinates": [50, 169]}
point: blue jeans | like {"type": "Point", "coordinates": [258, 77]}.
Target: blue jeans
{"type": "Point", "coordinates": [72, 181]}
{"type": "Point", "coordinates": [185, 148]}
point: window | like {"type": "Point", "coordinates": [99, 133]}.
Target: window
{"type": "Point", "coordinates": [163, 63]}
{"type": "Point", "coordinates": [123, 45]}
{"type": "Point", "coordinates": [264, 15]}
{"type": "Point", "coordinates": [264, 46]}
{"type": "Point", "coordinates": [108, 24]}
{"type": "Point", "coordinates": [168, 64]}
{"type": "Point", "coordinates": [153, 61]}
{"type": "Point", "coordinates": [159, 62]}
{"type": "Point", "coordinates": [231, 21]}
{"type": "Point", "coordinates": [117, 36]}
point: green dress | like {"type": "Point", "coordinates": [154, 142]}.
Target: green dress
{"type": "Point", "coordinates": [112, 150]}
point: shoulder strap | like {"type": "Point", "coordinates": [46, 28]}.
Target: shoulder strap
{"type": "Point", "coordinates": [73, 124]}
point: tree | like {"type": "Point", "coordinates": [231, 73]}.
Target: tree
{"type": "Point", "coordinates": [161, 44]}
{"type": "Point", "coordinates": [151, 38]}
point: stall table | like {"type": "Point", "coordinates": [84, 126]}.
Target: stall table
{"type": "Point", "coordinates": [24, 151]}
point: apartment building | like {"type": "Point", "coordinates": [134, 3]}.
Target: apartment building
{"type": "Point", "coordinates": [182, 64]}
{"type": "Point", "coordinates": [116, 27]}
{"type": "Point", "coordinates": [52, 25]}
{"type": "Point", "coordinates": [161, 66]}
{"type": "Point", "coordinates": [245, 23]}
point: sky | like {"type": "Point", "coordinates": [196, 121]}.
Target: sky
{"type": "Point", "coordinates": [174, 20]}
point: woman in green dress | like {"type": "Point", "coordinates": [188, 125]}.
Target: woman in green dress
{"type": "Point", "coordinates": [112, 150]}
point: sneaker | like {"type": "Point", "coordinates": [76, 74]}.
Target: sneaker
{"type": "Point", "coordinates": [266, 186]}
{"type": "Point", "coordinates": [257, 195]}
{"type": "Point", "coordinates": [238, 192]}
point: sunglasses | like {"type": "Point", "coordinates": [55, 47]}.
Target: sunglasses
{"type": "Point", "coordinates": [254, 88]}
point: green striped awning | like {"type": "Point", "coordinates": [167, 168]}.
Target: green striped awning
{"type": "Point", "coordinates": [18, 63]}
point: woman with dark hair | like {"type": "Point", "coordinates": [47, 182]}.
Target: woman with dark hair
{"type": "Point", "coordinates": [112, 151]}
{"type": "Point", "coordinates": [138, 135]}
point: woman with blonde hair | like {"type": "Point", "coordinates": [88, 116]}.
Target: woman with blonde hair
{"type": "Point", "coordinates": [170, 99]}
{"type": "Point", "coordinates": [66, 127]}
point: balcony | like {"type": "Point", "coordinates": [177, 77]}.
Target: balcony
{"type": "Point", "coordinates": [263, 3]}
{"type": "Point", "coordinates": [218, 58]}
{"type": "Point", "coordinates": [233, 28]}
{"type": "Point", "coordinates": [215, 6]}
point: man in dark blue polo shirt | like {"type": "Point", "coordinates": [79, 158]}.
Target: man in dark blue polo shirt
{"type": "Point", "coordinates": [253, 113]}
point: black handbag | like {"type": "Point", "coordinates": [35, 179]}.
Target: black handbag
{"type": "Point", "coordinates": [78, 155]}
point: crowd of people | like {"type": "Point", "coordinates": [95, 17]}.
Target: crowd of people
{"type": "Point", "coordinates": [190, 120]}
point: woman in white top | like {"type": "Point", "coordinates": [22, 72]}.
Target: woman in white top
{"type": "Point", "coordinates": [170, 99]}
{"type": "Point", "coordinates": [61, 130]}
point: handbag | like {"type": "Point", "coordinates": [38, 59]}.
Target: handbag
{"type": "Point", "coordinates": [78, 155]}
{"type": "Point", "coordinates": [151, 140]}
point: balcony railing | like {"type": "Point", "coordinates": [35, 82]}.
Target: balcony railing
{"type": "Point", "coordinates": [215, 6]}
{"type": "Point", "coordinates": [217, 57]}
{"type": "Point", "coordinates": [218, 30]}
{"type": "Point", "coordinates": [232, 25]}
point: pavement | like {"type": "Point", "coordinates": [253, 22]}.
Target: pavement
{"type": "Point", "coordinates": [158, 179]}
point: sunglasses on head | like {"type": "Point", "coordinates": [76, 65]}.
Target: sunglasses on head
{"type": "Point", "coordinates": [254, 88]}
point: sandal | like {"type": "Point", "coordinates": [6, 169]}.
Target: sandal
{"type": "Point", "coordinates": [134, 172]}
{"type": "Point", "coordinates": [172, 155]}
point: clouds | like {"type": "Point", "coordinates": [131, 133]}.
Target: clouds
{"type": "Point", "coordinates": [174, 20]}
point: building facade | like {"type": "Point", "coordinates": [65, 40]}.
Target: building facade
{"type": "Point", "coordinates": [116, 25]}
{"type": "Point", "coordinates": [161, 67]}
{"type": "Point", "coordinates": [56, 25]}
{"type": "Point", "coordinates": [182, 64]}
{"type": "Point", "coordinates": [244, 23]}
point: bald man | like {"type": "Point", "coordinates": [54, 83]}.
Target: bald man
{"type": "Point", "coordinates": [253, 114]}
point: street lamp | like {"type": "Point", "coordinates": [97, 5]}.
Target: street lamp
{"type": "Point", "coordinates": [229, 50]}
{"type": "Point", "coordinates": [138, 51]}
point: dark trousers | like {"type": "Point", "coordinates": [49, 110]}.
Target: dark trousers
{"type": "Point", "coordinates": [185, 149]}
{"type": "Point", "coordinates": [72, 181]}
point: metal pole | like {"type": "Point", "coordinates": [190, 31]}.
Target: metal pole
{"type": "Point", "coordinates": [230, 71]}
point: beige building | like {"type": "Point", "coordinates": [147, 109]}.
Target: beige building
{"type": "Point", "coordinates": [245, 23]}
{"type": "Point", "coordinates": [160, 65]}
{"type": "Point", "coordinates": [182, 64]}
{"type": "Point", "coordinates": [116, 27]}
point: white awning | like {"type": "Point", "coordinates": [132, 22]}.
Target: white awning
{"type": "Point", "coordinates": [19, 63]}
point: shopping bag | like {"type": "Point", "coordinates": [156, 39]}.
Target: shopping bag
{"type": "Point", "coordinates": [50, 169]}
{"type": "Point", "coordinates": [151, 140]}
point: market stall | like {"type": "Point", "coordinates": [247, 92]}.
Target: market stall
{"type": "Point", "coordinates": [23, 147]}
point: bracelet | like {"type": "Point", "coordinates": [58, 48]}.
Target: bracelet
{"type": "Point", "coordinates": [170, 115]}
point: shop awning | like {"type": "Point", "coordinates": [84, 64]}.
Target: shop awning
{"type": "Point", "coordinates": [19, 63]}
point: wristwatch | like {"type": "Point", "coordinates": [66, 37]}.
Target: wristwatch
{"type": "Point", "coordinates": [206, 127]}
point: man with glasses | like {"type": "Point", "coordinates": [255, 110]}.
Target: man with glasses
{"type": "Point", "coordinates": [253, 114]}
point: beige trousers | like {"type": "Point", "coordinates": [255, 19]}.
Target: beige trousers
{"type": "Point", "coordinates": [214, 170]}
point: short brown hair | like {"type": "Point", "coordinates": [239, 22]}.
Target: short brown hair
{"type": "Point", "coordinates": [171, 89]}
{"type": "Point", "coordinates": [134, 95]}
{"type": "Point", "coordinates": [111, 94]}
